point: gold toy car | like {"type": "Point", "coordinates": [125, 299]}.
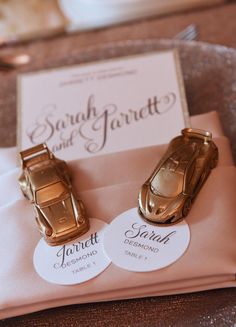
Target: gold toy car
{"type": "Point", "coordinates": [45, 181]}
{"type": "Point", "coordinates": [168, 193]}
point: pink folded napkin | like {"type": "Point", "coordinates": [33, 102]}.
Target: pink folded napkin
{"type": "Point", "coordinates": [109, 185]}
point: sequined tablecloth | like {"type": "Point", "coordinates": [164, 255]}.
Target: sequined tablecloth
{"type": "Point", "coordinates": [210, 81]}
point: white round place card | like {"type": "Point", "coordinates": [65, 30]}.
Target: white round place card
{"type": "Point", "coordinates": [74, 262]}
{"type": "Point", "coordinates": [133, 244]}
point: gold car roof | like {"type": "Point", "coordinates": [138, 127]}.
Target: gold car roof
{"type": "Point", "coordinates": [43, 175]}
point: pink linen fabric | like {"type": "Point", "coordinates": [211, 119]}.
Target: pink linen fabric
{"type": "Point", "coordinates": [109, 185]}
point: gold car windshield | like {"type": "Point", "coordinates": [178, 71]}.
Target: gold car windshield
{"type": "Point", "coordinates": [167, 183]}
{"type": "Point", "coordinates": [51, 192]}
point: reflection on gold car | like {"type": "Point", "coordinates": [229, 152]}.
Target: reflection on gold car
{"type": "Point", "coordinates": [168, 193]}
{"type": "Point", "coordinates": [45, 181]}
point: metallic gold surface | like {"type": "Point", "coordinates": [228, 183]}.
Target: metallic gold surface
{"type": "Point", "coordinates": [168, 193]}
{"type": "Point", "coordinates": [45, 181]}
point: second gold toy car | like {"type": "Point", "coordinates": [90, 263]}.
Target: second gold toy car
{"type": "Point", "coordinates": [45, 181]}
{"type": "Point", "coordinates": [167, 195]}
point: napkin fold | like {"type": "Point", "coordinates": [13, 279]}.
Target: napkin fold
{"type": "Point", "coordinates": [134, 165]}
{"type": "Point", "coordinates": [209, 262]}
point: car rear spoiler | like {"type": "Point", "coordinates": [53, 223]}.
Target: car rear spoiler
{"type": "Point", "coordinates": [36, 151]}
{"type": "Point", "coordinates": [198, 133]}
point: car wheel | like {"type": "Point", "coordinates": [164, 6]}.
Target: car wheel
{"type": "Point", "coordinates": [23, 192]}
{"type": "Point", "coordinates": [187, 207]}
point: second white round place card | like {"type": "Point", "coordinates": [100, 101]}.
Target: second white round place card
{"type": "Point", "coordinates": [135, 245]}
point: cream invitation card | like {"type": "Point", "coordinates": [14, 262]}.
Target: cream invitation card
{"type": "Point", "coordinates": [102, 107]}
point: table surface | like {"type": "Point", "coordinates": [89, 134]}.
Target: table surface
{"type": "Point", "coordinates": [210, 308]}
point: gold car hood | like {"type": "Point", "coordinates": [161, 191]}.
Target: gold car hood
{"type": "Point", "coordinates": [158, 208]}
{"type": "Point", "coordinates": [60, 215]}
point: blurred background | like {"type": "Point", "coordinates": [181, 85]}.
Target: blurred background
{"type": "Point", "coordinates": [32, 18]}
